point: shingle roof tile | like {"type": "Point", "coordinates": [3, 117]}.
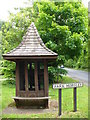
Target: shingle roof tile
{"type": "Point", "coordinates": [32, 45]}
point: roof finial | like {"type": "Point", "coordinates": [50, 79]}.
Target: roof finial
{"type": "Point", "coordinates": [32, 23]}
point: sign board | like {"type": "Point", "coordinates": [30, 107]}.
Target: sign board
{"type": "Point", "coordinates": [68, 85]}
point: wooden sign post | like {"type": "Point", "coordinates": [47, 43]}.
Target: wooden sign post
{"type": "Point", "coordinates": [68, 85]}
{"type": "Point", "coordinates": [75, 99]}
{"type": "Point", "coordinates": [60, 101]}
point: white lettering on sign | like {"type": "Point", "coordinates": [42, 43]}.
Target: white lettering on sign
{"type": "Point", "coordinates": [68, 85]}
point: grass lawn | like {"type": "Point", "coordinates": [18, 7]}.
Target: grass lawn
{"type": "Point", "coordinates": [8, 90]}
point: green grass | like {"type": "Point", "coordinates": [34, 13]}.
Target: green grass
{"type": "Point", "coordinates": [8, 91]}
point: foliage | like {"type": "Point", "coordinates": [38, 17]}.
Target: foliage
{"type": "Point", "coordinates": [55, 74]}
{"type": "Point", "coordinates": [84, 58]}
{"type": "Point", "coordinates": [70, 63]}
{"type": "Point", "coordinates": [0, 44]}
{"type": "Point", "coordinates": [8, 68]}
{"type": "Point", "coordinates": [62, 27]}
{"type": "Point", "coordinates": [88, 47]}
{"type": "Point", "coordinates": [1, 23]}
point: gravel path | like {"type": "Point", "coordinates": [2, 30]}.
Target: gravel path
{"type": "Point", "coordinates": [53, 107]}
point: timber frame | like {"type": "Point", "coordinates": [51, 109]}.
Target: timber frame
{"type": "Point", "coordinates": [31, 58]}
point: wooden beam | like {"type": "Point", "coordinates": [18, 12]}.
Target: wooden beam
{"type": "Point", "coordinates": [31, 98]}
{"type": "Point", "coordinates": [46, 78]}
{"type": "Point", "coordinates": [28, 57]}
{"type": "Point", "coordinates": [36, 78]}
{"type": "Point", "coordinates": [17, 78]}
{"type": "Point", "coordinates": [26, 77]}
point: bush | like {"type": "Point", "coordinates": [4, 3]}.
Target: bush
{"type": "Point", "coordinates": [70, 63]}
{"type": "Point", "coordinates": [8, 69]}
{"type": "Point", "coordinates": [9, 82]}
{"type": "Point", "coordinates": [55, 74]}
{"type": "Point", "coordinates": [82, 62]}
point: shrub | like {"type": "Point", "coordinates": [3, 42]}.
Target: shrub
{"type": "Point", "coordinates": [55, 74]}
{"type": "Point", "coordinates": [70, 63]}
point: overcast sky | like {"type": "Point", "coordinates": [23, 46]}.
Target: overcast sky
{"type": "Point", "coordinates": [9, 5]}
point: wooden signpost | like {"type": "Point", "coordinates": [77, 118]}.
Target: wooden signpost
{"type": "Point", "coordinates": [68, 85]}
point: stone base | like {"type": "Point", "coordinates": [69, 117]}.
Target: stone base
{"type": "Point", "coordinates": [22, 103]}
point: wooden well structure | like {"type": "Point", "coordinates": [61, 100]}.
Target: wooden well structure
{"type": "Point", "coordinates": [31, 58]}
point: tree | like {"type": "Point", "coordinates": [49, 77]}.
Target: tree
{"type": "Point", "coordinates": [1, 23]}
{"type": "Point", "coordinates": [62, 27]}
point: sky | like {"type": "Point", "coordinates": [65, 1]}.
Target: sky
{"type": "Point", "coordinates": [9, 5]}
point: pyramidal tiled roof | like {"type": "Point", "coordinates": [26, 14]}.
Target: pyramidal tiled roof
{"type": "Point", "coordinates": [31, 45]}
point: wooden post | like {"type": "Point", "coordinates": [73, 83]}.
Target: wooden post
{"type": "Point", "coordinates": [39, 75]}
{"type": "Point", "coordinates": [26, 77]}
{"type": "Point", "coordinates": [46, 78]}
{"type": "Point", "coordinates": [36, 79]}
{"type": "Point", "coordinates": [17, 78]}
{"type": "Point", "coordinates": [75, 99]}
{"type": "Point", "coordinates": [30, 70]}
{"type": "Point", "coordinates": [60, 100]}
